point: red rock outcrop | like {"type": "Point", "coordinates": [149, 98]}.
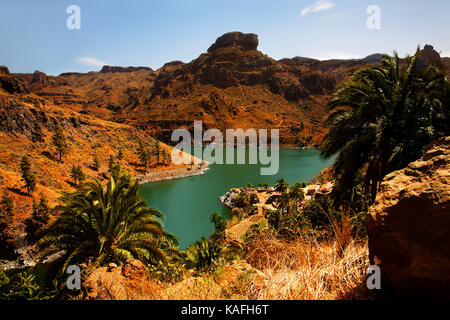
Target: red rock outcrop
{"type": "Point", "coordinates": [409, 226]}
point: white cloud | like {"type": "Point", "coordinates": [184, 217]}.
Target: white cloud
{"type": "Point", "coordinates": [445, 54]}
{"type": "Point", "coordinates": [336, 15]}
{"type": "Point", "coordinates": [318, 6]}
{"type": "Point", "coordinates": [92, 62]}
{"type": "Point", "coordinates": [337, 55]}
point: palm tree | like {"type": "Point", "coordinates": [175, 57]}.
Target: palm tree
{"type": "Point", "coordinates": [296, 194]}
{"type": "Point", "coordinates": [382, 118]}
{"type": "Point", "coordinates": [291, 199]}
{"type": "Point", "coordinates": [281, 185]}
{"type": "Point", "coordinates": [203, 255]}
{"type": "Point", "coordinates": [105, 225]}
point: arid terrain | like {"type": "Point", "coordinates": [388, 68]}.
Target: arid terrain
{"type": "Point", "coordinates": [112, 114]}
{"type": "Point", "coordinates": [233, 85]}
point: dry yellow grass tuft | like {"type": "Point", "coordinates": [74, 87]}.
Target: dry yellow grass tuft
{"type": "Point", "coordinates": [306, 269]}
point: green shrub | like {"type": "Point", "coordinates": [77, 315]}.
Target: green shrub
{"type": "Point", "coordinates": [23, 286]}
{"type": "Point", "coordinates": [204, 255]}
{"type": "Point", "coordinates": [167, 271]}
{"type": "Point", "coordinates": [241, 201]}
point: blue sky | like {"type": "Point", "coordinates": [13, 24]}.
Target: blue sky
{"type": "Point", "coordinates": [150, 33]}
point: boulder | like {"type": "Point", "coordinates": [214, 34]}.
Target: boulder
{"type": "Point", "coordinates": [409, 226]}
{"type": "Point", "coordinates": [129, 282]}
{"type": "Point", "coordinates": [248, 41]}
{"type": "Point", "coordinates": [134, 270]}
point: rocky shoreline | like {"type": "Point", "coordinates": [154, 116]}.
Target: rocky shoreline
{"type": "Point", "coordinates": [174, 173]}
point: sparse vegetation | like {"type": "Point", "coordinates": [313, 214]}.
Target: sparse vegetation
{"type": "Point", "coordinates": [158, 150]}
{"type": "Point", "coordinates": [6, 216]}
{"type": "Point", "coordinates": [97, 163]}
{"type": "Point", "coordinates": [23, 286]}
{"type": "Point", "coordinates": [28, 175]}
{"type": "Point", "coordinates": [77, 174]}
{"type": "Point", "coordinates": [144, 155]}
{"type": "Point", "coordinates": [40, 217]}
{"type": "Point", "coordinates": [120, 154]}
{"type": "Point", "coordinates": [59, 141]}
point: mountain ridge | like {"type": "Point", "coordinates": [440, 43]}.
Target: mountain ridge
{"type": "Point", "coordinates": [232, 85]}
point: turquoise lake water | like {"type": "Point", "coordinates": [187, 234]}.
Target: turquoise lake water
{"type": "Point", "coordinates": [187, 203]}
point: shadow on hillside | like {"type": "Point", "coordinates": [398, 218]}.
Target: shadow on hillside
{"type": "Point", "coordinates": [48, 155]}
{"type": "Point", "coordinates": [134, 164]}
{"type": "Point", "coordinates": [18, 191]}
{"type": "Point", "coordinates": [71, 183]}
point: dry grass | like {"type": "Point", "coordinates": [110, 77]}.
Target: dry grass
{"type": "Point", "coordinates": [307, 269]}
{"type": "Point", "coordinates": [303, 269]}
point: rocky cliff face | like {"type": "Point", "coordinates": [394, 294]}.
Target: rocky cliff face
{"type": "Point", "coordinates": [233, 61]}
{"type": "Point", "coordinates": [248, 41]}
{"type": "Point", "coordinates": [17, 118]}
{"type": "Point", "coordinates": [9, 83]}
{"type": "Point", "coordinates": [409, 226]}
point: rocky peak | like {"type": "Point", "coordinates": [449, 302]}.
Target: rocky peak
{"type": "Point", "coordinates": [39, 77]}
{"type": "Point", "coordinates": [4, 70]}
{"type": "Point", "coordinates": [248, 41]}
{"type": "Point", "coordinates": [428, 56]}
{"type": "Point", "coordinates": [10, 83]}
{"type": "Point", "coordinates": [107, 69]}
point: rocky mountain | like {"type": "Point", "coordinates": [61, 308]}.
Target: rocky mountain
{"type": "Point", "coordinates": [232, 85]}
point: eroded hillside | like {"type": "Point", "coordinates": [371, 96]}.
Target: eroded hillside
{"type": "Point", "coordinates": [27, 125]}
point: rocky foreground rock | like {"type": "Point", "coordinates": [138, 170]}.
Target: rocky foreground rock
{"type": "Point", "coordinates": [133, 282]}
{"type": "Point", "coordinates": [129, 282]}
{"type": "Point", "coordinates": [409, 226]}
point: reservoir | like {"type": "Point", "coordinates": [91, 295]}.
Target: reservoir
{"type": "Point", "coordinates": [187, 203]}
